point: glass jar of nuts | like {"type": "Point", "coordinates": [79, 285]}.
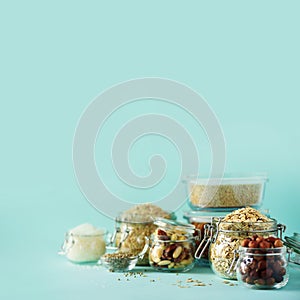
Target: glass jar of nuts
{"type": "Point", "coordinates": [172, 246]}
{"type": "Point", "coordinates": [225, 235]}
{"type": "Point", "coordinates": [265, 266]}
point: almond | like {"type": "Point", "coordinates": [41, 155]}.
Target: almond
{"type": "Point", "coordinates": [177, 252]}
{"type": "Point", "coordinates": [164, 263]}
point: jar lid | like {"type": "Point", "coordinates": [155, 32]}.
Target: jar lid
{"type": "Point", "coordinates": [293, 242]}
{"type": "Point", "coordinates": [296, 236]}
{"type": "Point", "coordinates": [202, 216]}
{"type": "Point", "coordinates": [229, 178]}
{"type": "Point", "coordinates": [86, 230]}
{"type": "Point", "coordinates": [143, 214]}
{"type": "Point", "coordinates": [160, 222]}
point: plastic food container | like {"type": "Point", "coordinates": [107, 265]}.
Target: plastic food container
{"type": "Point", "coordinates": [230, 192]}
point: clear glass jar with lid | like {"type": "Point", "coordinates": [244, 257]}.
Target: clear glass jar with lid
{"type": "Point", "coordinates": [293, 242]}
{"type": "Point", "coordinates": [172, 246]}
{"type": "Point", "coordinates": [84, 244]}
{"type": "Point", "coordinates": [262, 268]}
{"type": "Point", "coordinates": [133, 226]}
{"type": "Point", "coordinates": [201, 219]}
{"type": "Point", "coordinates": [225, 238]}
{"type": "Point", "coordinates": [130, 237]}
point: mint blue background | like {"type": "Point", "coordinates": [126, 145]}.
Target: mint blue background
{"type": "Point", "coordinates": [56, 56]}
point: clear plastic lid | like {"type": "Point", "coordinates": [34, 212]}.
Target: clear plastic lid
{"type": "Point", "coordinates": [228, 178]}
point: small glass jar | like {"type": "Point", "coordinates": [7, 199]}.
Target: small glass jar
{"type": "Point", "coordinates": [131, 234]}
{"type": "Point", "coordinates": [130, 237]}
{"type": "Point", "coordinates": [226, 237]}
{"type": "Point", "coordinates": [262, 268]}
{"type": "Point", "coordinates": [172, 246]}
{"type": "Point", "coordinates": [84, 248]}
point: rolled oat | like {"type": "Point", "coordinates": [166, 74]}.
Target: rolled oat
{"type": "Point", "coordinates": [231, 231]}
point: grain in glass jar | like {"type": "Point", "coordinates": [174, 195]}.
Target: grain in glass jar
{"type": "Point", "coordinates": [227, 239]}
{"type": "Point", "coordinates": [225, 235]}
{"type": "Point", "coordinates": [134, 226]}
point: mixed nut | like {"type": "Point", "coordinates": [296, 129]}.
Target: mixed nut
{"type": "Point", "coordinates": [262, 262]}
{"type": "Point", "coordinates": [171, 251]}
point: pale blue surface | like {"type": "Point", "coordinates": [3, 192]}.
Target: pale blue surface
{"type": "Point", "coordinates": [57, 56]}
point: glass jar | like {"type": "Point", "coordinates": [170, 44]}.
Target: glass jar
{"type": "Point", "coordinates": [130, 237]}
{"type": "Point", "coordinates": [133, 229]}
{"type": "Point", "coordinates": [224, 238]}
{"type": "Point", "coordinates": [293, 243]}
{"type": "Point", "coordinates": [201, 220]}
{"type": "Point", "coordinates": [262, 268]}
{"type": "Point", "coordinates": [84, 248]}
{"type": "Point", "coordinates": [172, 246]}
{"type": "Point", "coordinates": [199, 233]}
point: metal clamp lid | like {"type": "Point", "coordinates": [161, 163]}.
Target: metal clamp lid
{"type": "Point", "coordinates": [293, 246]}
{"type": "Point", "coordinates": [208, 236]}
{"type": "Point", "coordinates": [281, 228]}
{"type": "Point", "coordinates": [124, 236]}
{"type": "Point", "coordinates": [232, 268]}
{"type": "Point", "coordinates": [67, 244]}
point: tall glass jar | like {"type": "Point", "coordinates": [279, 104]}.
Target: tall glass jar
{"type": "Point", "coordinates": [263, 268]}
{"type": "Point", "coordinates": [225, 238]}
{"type": "Point", "coordinates": [172, 246]}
